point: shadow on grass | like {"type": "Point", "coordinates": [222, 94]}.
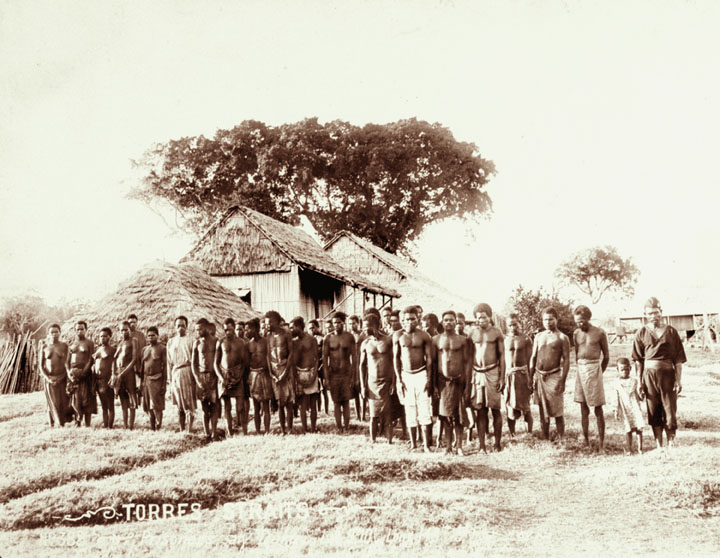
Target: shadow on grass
{"type": "Point", "coordinates": [369, 472]}
{"type": "Point", "coordinates": [700, 497]}
{"type": "Point", "coordinates": [19, 415]}
{"type": "Point", "coordinates": [117, 467]}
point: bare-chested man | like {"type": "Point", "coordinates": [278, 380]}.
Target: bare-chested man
{"type": "Point", "coordinates": [397, 411]}
{"type": "Point", "coordinates": [124, 376]}
{"type": "Point", "coordinates": [305, 351]}
{"type": "Point", "coordinates": [81, 382]}
{"type": "Point", "coordinates": [316, 332]}
{"type": "Point", "coordinates": [182, 382]}
{"type": "Point", "coordinates": [259, 377]}
{"type": "Point", "coordinates": [356, 330]}
{"type": "Point", "coordinates": [231, 366]}
{"type": "Point", "coordinates": [141, 342]}
{"type": "Point", "coordinates": [103, 365]}
{"type": "Point", "coordinates": [412, 360]}
{"type": "Point", "coordinates": [340, 369]}
{"type": "Point", "coordinates": [206, 381]}
{"type": "Point", "coordinates": [454, 369]}
{"type": "Point", "coordinates": [592, 356]}
{"type": "Point", "coordinates": [154, 378]}
{"type": "Point", "coordinates": [54, 372]}
{"type": "Point", "coordinates": [488, 376]}
{"type": "Point", "coordinates": [280, 364]}
{"type": "Point", "coordinates": [519, 388]}
{"type": "Point", "coordinates": [377, 376]}
{"type": "Point", "coordinates": [549, 367]}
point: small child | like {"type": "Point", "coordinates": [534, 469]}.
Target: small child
{"type": "Point", "coordinates": [628, 405]}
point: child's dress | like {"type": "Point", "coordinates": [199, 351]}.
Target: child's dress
{"type": "Point", "coordinates": [628, 405]}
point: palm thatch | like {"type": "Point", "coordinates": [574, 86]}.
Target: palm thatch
{"type": "Point", "coordinates": [414, 287]}
{"type": "Point", "coordinates": [244, 241]}
{"type": "Point", "coordinates": [160, 292]}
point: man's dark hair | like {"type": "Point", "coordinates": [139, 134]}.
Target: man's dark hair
{"type": "Point", "coordinates": [550, 311]}
{"type": "Point", "coordinates": [411, 310]}
{"type": "Point", "coordinates": [298, 321]}
{"type": "Point", "coordinates": [273, 315]}
{"type": "Point", "coordinates": [183, 318]}
{"type": "Point", "coordinates": [253, 323]}
{"type": "Point", "coordinates": [229, 321]}
{"type": "Point", "coordinates": [583, 311]}
{"type": "Point", "coordinates": [340, 316]}
{"type": "Point", "coordinates": [433, 319]}
{"type": "Point", "coordinates": [103, 330]}
{"type": "Point", "coordinates": [153, 329]}
{"type": "Point", "coordinates": [81, 322]}
{"type": "Point", "coordinates": [132, 317]}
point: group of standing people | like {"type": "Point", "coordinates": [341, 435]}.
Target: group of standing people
{"type": "Point", "coordinates": [396, 366]}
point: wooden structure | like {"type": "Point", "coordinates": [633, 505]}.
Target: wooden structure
{"type": "Point", "coordinates": [158, 293]}
{"type": "Point", "coordinates": [688, 322]}
{"type": "Point", "coordinates": [364, 257]}
{"type": "Point", "coordinates": [20, 364]}
{"type": "Point", "coordinates": [275, 266]}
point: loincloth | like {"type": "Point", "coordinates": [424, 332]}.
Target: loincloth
{"type": "Point", "coordinates": [484, 389]}
{"type": "Point", "coordinates": [589, 387]}
{"type": "Point", "coordinates": [550, 402]}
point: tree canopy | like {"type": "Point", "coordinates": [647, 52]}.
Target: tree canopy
{"type": "Point", "coordinates": [383, 182]}
{"type": "Point", "coordinates": [598, 270]}
{"type": "Point", "coordinates": [529, 304]}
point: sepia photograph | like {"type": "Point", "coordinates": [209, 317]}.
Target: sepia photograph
{"type": "Point", "coordinates": [381, 278]}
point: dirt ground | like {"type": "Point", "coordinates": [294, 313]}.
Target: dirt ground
{"type": "Point", "coordinates": [339, 495]}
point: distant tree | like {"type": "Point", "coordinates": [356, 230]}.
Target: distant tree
{"type": "Point", "coordinates": [382, 182]}
{"type": "Point", "coordinates": [21, 314]}
{"type": "Point", "coordinates": [598, 270]}
{"type": "Point", "coordinates": [529, 304]}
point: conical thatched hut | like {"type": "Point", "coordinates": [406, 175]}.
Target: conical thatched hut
{"type": "Point", "coordinates": [160, 292]}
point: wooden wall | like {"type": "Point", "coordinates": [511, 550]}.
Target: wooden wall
{"type": "Point", "coordinates": [269, 291]}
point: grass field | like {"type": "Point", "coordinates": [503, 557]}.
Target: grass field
{"type": "Point", "coordinates": [329, 494]}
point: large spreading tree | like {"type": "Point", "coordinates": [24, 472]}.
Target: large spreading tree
{"type": "Point", "coordinates": [383, 182]}
{"type": "Point", "coordinates": [598, 270]}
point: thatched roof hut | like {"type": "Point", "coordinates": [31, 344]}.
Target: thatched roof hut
{"type": "Point", "coordinates": [276, 266]}
{"type": "Point", "coordinates": [372, 261]}
{"type": "Point", "coordinates": [158, 293]}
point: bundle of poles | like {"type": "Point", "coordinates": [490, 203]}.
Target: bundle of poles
{"type": "Point", "coordinates": [19, 364]}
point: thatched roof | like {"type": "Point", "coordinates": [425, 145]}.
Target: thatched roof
{"type": "Point", "coordinates": [226, 249]}
{"type": "Point", "coordinates": [415, 288]}
{"type": "Point", "coordinates": [158, 293]}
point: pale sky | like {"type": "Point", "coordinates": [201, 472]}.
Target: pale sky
{"type": "Point", "coordinates": [602, 119]}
